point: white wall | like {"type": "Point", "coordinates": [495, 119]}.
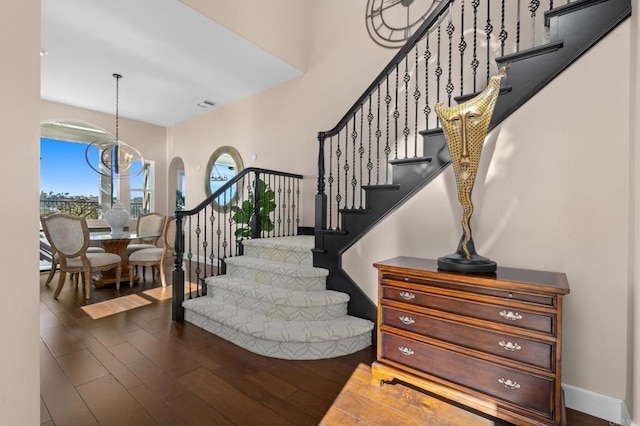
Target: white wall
{"type": "Point", "coordinates": [19, 119]}
{"type": "Point", "coordinates": [552, 194]}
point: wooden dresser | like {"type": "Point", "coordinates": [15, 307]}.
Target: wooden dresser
{"type": "Point", "coordinates": [492, 343]}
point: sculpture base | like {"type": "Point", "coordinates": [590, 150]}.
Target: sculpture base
{"type": "Point", "coordinates": [457, 262]}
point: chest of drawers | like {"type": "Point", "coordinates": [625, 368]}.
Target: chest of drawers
{"type": "Point", "coordinates": [492, 343]}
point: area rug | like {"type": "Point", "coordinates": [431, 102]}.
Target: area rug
{"type": "Point", "coordinates": [163, 293]}
{"type": "Point", "coordinates": [114, 306]}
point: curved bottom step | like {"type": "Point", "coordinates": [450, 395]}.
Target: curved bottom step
{"type": "Point", "coordinates": [284, 342]}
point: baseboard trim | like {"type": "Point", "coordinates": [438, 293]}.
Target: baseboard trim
{"type": "Point", "coordinates": [597, 405]}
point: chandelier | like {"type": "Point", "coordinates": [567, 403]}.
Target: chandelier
{"type": "Point", "coordinates": [115, 158]}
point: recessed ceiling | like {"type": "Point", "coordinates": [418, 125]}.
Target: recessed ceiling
{"type": "Point", "coordinates": [171, 59]}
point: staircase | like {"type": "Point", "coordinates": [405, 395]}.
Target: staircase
{"type": "Point", "coordinates": [289, 297]}
{"type": "Point", "coordinates": [273, 302]}
{"type": "Point", "coordinates": [570, 30]}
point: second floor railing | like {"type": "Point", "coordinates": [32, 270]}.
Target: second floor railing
{"type": "Point", "coordinates": [89, 209]}
{"type": "Point", "coordinates": [256, 203]}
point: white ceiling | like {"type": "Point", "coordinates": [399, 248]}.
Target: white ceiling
{"type": "Point", "coordinates": [171, 58]}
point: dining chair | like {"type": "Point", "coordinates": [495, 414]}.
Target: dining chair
{"type": "Point", "coordinates": [55, 257]}
{"type": "Point", "coordinates": [156, 257]}
{"type": "Point", "coordinates": [69, 237]}
{"type": "Point", "coordinates": [149, 230]}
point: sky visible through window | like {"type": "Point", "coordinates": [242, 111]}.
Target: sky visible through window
{"type": "Point", "coordinates": [64, 169]}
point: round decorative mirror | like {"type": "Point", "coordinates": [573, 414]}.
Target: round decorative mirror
{"type": "Point", "coordinates": [224, 164]}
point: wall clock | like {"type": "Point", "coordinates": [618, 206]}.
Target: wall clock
{"type": "Point", "coordinates": [391, 22]}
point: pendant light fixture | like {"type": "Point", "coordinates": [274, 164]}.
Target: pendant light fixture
{"type": "Point", "coordinates": [115, 158]}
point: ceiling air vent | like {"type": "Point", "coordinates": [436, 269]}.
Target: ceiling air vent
{"type": "Point", "coordinates": [206, 104]}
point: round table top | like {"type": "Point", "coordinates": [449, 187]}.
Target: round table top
{"type": "Point", "coordinates": [105, 236]}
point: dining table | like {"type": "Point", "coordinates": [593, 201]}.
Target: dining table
{"type": "Point", "coordinates": [116, 243]}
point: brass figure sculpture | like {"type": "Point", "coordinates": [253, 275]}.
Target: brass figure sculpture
{"type": "Point", "coordinates": [465, 128]}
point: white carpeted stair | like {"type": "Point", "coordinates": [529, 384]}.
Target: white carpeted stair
{"type": "Point", "coordinates": [273, 302]}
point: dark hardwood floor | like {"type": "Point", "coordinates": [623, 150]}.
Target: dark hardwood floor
{"type": "Point", "coordinates": [140, 368]}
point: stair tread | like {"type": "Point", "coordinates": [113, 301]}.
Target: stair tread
{"type": "Point", "coordinates": [301, 243]}
{"type": "Point", "coordinates": [259, 325]}
{"type": "Point", "coordinates": [277, 295]}
{"type": "Point", "coordinates": [283, 268]}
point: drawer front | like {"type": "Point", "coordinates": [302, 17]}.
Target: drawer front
{"type": "Point", "coordinates": [516, 348]}
{"type": "Point", "coordinates": [530, 392]}
{"type": "Point", "coordinates": [496, 313]}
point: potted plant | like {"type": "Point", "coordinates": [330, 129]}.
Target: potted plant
{"type": "Point", "coordinates": [243, 214]}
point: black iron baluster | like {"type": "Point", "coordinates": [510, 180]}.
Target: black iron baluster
{"type": "Point", "coordinates": [416, 98]}
{"type": "Point", "coordinates": [198, 232]}
{"type": "Point", "coordinates": [462, 46]}
{"type": "Point", "coordinates": [279, 213]}
{"type": "Point", "coordinates": [405, 130]}
{"type": "Point", "coordinates": [330, 180]}
{"type": "Point", "coordinates": [212, 223]}
{"type": "Point", "coordinates": [220, 223]}
{"type": "Point", "coordinates": [533, 8]}
{"type": "Point", "coordinates": [396, 114]}
{"type": "Point", "coordinates": [449, 88]}
{"type": "Point", "coordinates": [475, 63]}
{"type": "Point", "coordinates": [205, 243]}
{"type": "Point", "coordinates": [190, 255]}
{"type": "Point", "coordinates": [361, 153]}
{"type": "Point", "coordinates": [427, 107]}
{"type": "Point", "coordinates": [297, 183]}
{"type": "Point", "coordinates": [551, 4]}
{"type": "Point", "coordinates": [503, 32]}
{"type": "Point", "coordinates": [378, 135]}
{"type": "Point", "coordinates": [338, 196]}
{"type": "Point", "coordinates": [369, 162]}
{"type": "Point", "coordinates": [488, 29]}
{"type": "Point", "coordinates": [346, 165]}
{"type": "Point", "coordinates": [354, 138]}
{"type": "Point", "coordinates": [387, 148]}
{"type": "Point", "coordinates": [438, 67]}
{"type": "Point", "coordinates": [519, 20]}
{"type": "Point", "coordinates": [289, 211]}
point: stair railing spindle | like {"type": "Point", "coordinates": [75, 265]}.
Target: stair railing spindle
{"type": "Point", "coordinates": [354, 138]}
{"type": "Point", "coordinates": [475, 63]}
{"type": "Point", "coordinates": [449, 87]}
{"type": "Point", "coordinates": [416, 98]}
{"type": "Point", "coordinates": [369, 161]}
{"type": "Point", "coordinates": [533, 8]}
{"type": "Point", "coordinates": [488, 29]}
{"type": "Point", "coordinates": [462, 46]}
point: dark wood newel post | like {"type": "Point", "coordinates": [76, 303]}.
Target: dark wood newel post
{"type": "Point", "coordinates": [177, 311]}
{"type": "Point", "coordinates": [321, 197]}
{"type": "Point", "coordinates": [256, 223]}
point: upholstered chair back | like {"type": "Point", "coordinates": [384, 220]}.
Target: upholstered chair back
{"type": "Point", "coordinates": [69, 235]}
{"type": "Point", "coordinates": [150, 224]}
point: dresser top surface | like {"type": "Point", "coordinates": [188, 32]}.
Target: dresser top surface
{"type": "Point", "coordinates": [555, 282]}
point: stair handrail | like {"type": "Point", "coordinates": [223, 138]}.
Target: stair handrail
{"type": "Point", "coordinates": [435, 17]}
{"type": "Point", "coordinates": [178, 292]}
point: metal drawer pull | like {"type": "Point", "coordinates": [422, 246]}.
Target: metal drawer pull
{"type": "Point", "coordinates": [509, 384]}
{"type": "Point", "coordinates": [406, 295]}
{"type": "Point", "coordinates": [405, 350]}
{"type": "Point", "coordinates": [510, 315]}
{"type": "Point", "coordinates": [511, 347]}
{"type": "Point", "coordinates": [407, 320]}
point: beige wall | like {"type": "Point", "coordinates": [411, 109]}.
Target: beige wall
{"type": "Point", "coordinates": [633, 362]}
{"type": "Point", "coordinates": [280, 125]}
{"type": "Point", "coordinates": [552, 194]}
{"type": "Point", "coordinates": [19, 100]}
{"type": "Point", "coordinates": [149, 139]}
{"type": "Point", "coordinates": [280, 27]}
